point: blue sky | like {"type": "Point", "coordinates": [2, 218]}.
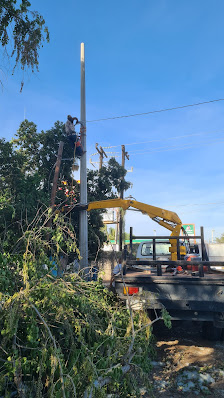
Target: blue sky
{"type": "Point", "coordinates": [140, 56]}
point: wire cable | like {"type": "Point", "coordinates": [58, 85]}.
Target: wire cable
{"type": "Point", "coordinates": [167, 138]}
{"type": "Point", "coordinates": [199, 204]}
{"type": "Point", "coordinates": [156, 111]}
{"type": "Point", "coordinates": [165, 149]}
{"type": "Point", "coordinates": [208, 211]}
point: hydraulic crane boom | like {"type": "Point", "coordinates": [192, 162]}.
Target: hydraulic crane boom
{"type": "Point", "coordinates": [166, 218]}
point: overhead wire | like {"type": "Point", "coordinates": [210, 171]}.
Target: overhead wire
{"type": "Point", "coordinates": [182, 212]}
{"type": "Point", "coordinates": [174, 148]}
{"type": "Point", "coordinates": [167, 148]}
{"type": "Point", "coordinates": [191, 204]}
{"type": "Point", "coordinates": [198, 211]}
{"type": "Point", "coordinates": [199, 204]}
{"type": "Point", "coordinates": [168, 138]}
{"type": "Point", "coordinates": [216, 204]}
{"type": "Point", "coordinates": [156, 111]}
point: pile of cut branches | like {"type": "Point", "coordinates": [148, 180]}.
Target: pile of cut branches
{"type": "Point", "coordinates": [68, 337]}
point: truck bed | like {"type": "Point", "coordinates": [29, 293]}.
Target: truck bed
{"type": "Point", "coordinates": [183, 295]}
{"type": "Point", "coordinates": [133, 276]}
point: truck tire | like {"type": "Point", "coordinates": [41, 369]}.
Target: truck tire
{"type": "Point", "coordinates": [211, 332]}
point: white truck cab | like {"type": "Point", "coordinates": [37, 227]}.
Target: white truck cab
{"type": "Point", "coordinates": [145, 251]}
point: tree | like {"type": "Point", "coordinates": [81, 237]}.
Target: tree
{"type": "Point", "coordinates": [22, 33]}
{"type": "Point", "coordinates": [126, 236]}
{"type": "Point", "coordinates": [221, 239]}
{"type": "Point", "coordinates": [112, 233]}
{"type": "Point", "coordinates": [103, 184]}
{"type": "Point", "coordinates": [20, 195]}
{"type": "Point", "coordinates": [26, 171]}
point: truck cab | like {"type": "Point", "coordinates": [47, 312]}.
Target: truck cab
{"type": "Point", "coordinates": [145, 251]}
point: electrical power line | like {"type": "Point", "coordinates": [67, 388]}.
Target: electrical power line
{"type": "Point", "coordinates": [208, 211]}
{"type": "Point", "coordinates": [111, 152]}
{"type": "Point", "coordinates": [174, 148]}
{"type": "Point", "coordinates": [167, 138]}
{"type": "Point", "coordinates": [156, 111]}
{"type": "Point", "coordinates": [168, 148]}
{"type": "Point", "coordinates": [189, 205]}
{"type": "Point", "coordinates": [200, 204]}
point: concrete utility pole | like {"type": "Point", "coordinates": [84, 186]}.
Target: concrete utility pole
{"type": "Point", "coordinates": [124, 155]}
{"type": "Point", "coordinates": [83, 224]}
{"type": "Point", "coordinates": [102, 154]}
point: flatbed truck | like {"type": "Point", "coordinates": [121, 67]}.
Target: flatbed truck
{"type": "Point", "coordinates": [195, 293]}
{"type": "Point", "coordinates": [186, 295]}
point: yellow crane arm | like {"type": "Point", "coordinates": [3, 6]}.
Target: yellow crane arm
{"type": "Point", "coordinates": [166, 218]}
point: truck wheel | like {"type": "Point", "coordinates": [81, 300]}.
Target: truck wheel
{"type": "Point", "coordinates": [211, 332]}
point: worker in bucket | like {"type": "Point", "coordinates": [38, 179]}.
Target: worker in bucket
{"type": "Point", "coordinates": [73, 138]}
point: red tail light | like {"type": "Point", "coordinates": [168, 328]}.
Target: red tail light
{"type": "Point", "coordinates": [133, 290]}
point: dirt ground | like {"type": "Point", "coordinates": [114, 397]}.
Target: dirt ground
{"type": "Point", "coordinates": [184, 359]}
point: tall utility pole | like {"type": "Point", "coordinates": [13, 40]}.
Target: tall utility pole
{"type": "Point", "coordinates": [83, 224]}
{"type": "Point", "coordinates": [102, 154]}
{"type": "Point", "coordinates": [124, 155]}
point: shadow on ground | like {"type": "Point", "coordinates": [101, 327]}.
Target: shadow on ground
{"type": "Point", "coordinates": [187, 364]}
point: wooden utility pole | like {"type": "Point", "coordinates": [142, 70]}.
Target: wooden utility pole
{"type": "Point", "coordinates": [56, 174]}
{"type": "Point", "coordinates": [102, 154]}
{"type": "Point", "coordinates": [55, 184]}
{"type": "Point", "coordinates": [124, 155]}
{"type": "Point", "coordinates": [83, 223]}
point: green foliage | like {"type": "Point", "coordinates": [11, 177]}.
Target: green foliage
{"type": "Point", "coordinates": [59, 337]}
{"type": "Point", "coordinates": [126, 236]}
{"type": "Point", "coordinates": [166, 318]}
{"type": "Point", "coordinates": [24, 31]}
{"type": "Point", "coordinates": [221, 239]}
{"type": "Point", "coordinates": [27, 170]}
{"type": "Point", "coordinates": [10, 279]}
{"type": "Point", "coordinates": [89, 338]}
{"type": "Point", "coordinates": [102, 185]}
{"type": "Point", "coordinates": [111, 234]}
{"type": "Point", "coordinates": [109, 180]}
